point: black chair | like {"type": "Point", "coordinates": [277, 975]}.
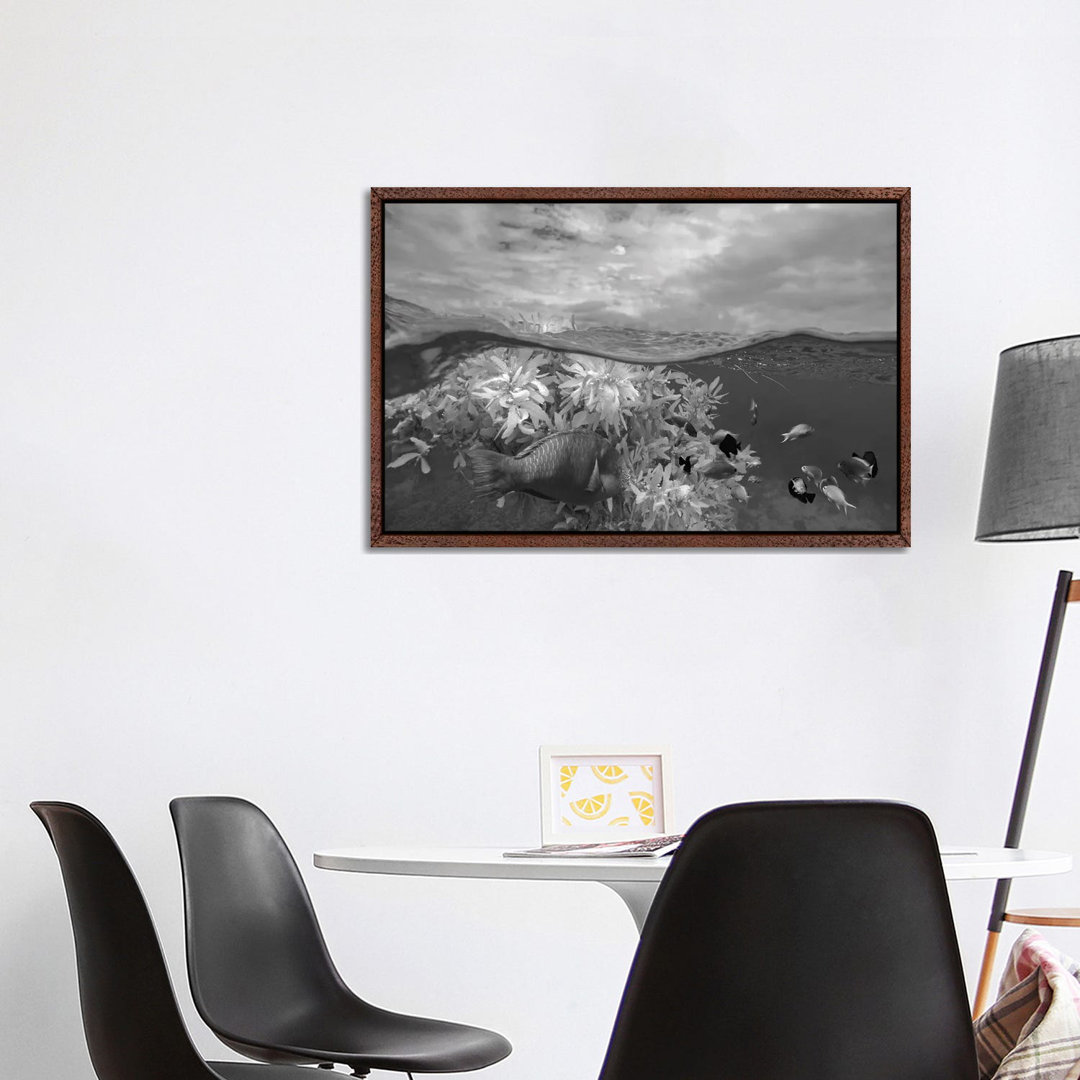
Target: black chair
{"type": "Point", "coordinates": [133, 1026]}
{"type": "Point", "coordinates": [259, 969]}
{"type": "Point", "coordinates": [798, 941]}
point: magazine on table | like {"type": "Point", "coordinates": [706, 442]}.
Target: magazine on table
{"type": "Point", "coordinates": [649, 847]}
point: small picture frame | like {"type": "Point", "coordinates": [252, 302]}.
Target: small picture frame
{"type": "Point", "coordinates": [595, 793]}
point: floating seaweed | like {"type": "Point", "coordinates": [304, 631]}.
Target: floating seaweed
{"type": "Point", "coordinates": [495, 405]}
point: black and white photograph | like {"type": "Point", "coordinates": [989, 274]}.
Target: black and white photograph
{"type": "Point", "coordinates": [655, 367]}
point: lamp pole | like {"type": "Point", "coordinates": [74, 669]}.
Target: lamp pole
{"type": "Point", "coordinates": [1063, 594]}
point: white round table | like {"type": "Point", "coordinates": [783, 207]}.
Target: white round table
{"type": "Point", "coordinates": [636, 879]}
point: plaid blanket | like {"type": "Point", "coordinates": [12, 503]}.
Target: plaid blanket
{"type": "Point", "coordinates": [1032, 1031]}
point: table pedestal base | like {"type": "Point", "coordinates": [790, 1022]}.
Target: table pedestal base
{"type": "Point", "coordinates": [637, 896]}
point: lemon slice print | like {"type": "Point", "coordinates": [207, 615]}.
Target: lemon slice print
{"type": "Point", "coordinates": [624, 820]}
{"type": "Point", "coordinates": [566, 777]}
{"type": "Point", "coordinates": [643, 804]}
{"type": "Point", "coordinates": [646, 771]}
{"type": "Point", "coordinates": [609, 774]}
{"type": "Point", "coordinates": [592, 808]}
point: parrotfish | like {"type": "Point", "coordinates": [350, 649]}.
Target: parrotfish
{"type": "Point", "coordinates": [813, 473]}
{"type": "Point", "coordinates": [799, 431]}
{"type": "Point", "coordinates": [574, 467]}
{"type": "Point", "coordinates": [837, 497]}
{"type": "Point", "coordinates": [753, 412]}
{"type": "Point", "coordinates": [797, 487]}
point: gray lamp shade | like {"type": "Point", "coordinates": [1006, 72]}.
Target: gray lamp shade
{"type": "Point", "coordinates": [1031, 484]}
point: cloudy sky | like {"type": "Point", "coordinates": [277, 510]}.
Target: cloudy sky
{"type": "Point", "coordinates": [740, 267]}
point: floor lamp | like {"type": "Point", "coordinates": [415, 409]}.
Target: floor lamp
{"type": "Point", "coordinates": [1031, 491]}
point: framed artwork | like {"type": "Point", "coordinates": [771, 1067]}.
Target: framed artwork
{"type": "Point", "coordinates": [646, 367]}
{"type": "Point", "coordinates": [597, 793]}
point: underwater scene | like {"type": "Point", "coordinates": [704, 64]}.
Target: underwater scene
{"type": "Point", "coordinates": [597, 411]}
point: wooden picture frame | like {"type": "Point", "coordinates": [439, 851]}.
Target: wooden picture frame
{"type": "Point", "coordinates": [591, 794]}
{"type": "Point", "coordinates": [608, 428]}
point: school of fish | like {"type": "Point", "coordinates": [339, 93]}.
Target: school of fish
{"type": "Point", "coordinates": [859, 468]}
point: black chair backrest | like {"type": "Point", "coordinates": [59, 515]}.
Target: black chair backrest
{"type": "Point", "coordinates": [133, 1025]}
{"type": "Point", "coordinates": [799, 941]}
{"type": "Point", "coordinates": [255, 951]}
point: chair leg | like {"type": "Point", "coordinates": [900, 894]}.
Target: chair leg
{"type": "Point", "coordinates": [982, 992]}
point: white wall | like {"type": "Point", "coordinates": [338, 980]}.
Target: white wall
{"type": "Point", "coordinates": [187, 603]}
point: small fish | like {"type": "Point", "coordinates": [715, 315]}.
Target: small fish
{"type": "Point", "coordinates": [852, 472]}
{"type": "Point", "coordinates": [799, 431]}
{"type": "Point", "coordinates": [406, 428]}
{"type": "Point", "coordinates": [870, 458]}
{"type": "Point", "coordinates": [837, 497]}
{"type": "Point", "coordinates": [729, 445]}
{"type": "Point", "coordinates": [813, 473]}
{"type": "Point", "coordinates": [718, 469]}
{"type": "Point", "coordinates": [740, 493]}
{"type": "Point", "coordinates": [753, 412]}
{"type": "Point", "coordinates": [858, 469]}
{"type": "Point", "coordinates": [686, 463]}
{"type": "Point", "coordinates": [752, 479]}
{"type": "Point", "coordinates": [682, 422]}
{"type": "Point", "coordinates": [574, 467]}
{"type": "Point", "coordinates": [720, 434]}
{"type": "Point", "coordinates": [797, 487]}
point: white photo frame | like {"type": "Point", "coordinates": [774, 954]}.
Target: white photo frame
{"type": "Point", "coordinates": [590, 794]}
